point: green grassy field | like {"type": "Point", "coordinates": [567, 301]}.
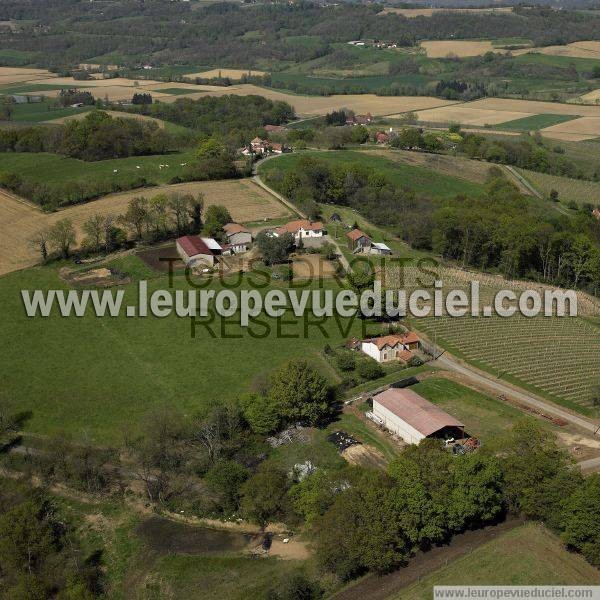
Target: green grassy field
{"type": "Point", "coordinates": [569, 190]}
{"type": "Point", "coordinates": [527, 555]}
{"type": "Point", "coordinates": [52, 168]}
{"type": "Point", "coordinates": [535, 122]}
{"type": "Point", "coordinates": [16, 58]}
{"type": "Point", "coordinates": [419, 179]}
{"type": "Point", "coordinates": [96, 375]}
{"type": "Point", "coordinates": [37, 112]}
{"type": "Point", "coordinates": [484, 417]}
{"type": "Point", "coordinates": [581, 64]}
{"type": "Point", "coordinates": [27, 88]}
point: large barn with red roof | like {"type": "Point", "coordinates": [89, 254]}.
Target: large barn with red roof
{"type": "Point", "coordinates": [403, 412]}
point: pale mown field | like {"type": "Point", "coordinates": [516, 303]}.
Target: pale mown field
{"type": "Point", "coordinates": [19, 220]}
{"type": "Point", "coordinates": [586, 49]}
{"type": "Point", "coordinates": [9, 75]}
{"type": "Point", "coordinates": [460, 48]}
{"type": "Point", "coordinates": [495, 111]}
{"type": "Point", "coordinates": [468, 115]}
{"type": "Point", "coordinates": [591, 97]}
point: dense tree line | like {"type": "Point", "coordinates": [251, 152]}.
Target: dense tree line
{"type": "Point", "coordinates": [97, 136]}
{"type": "Point", "coordinates": [239, 118]}
{"type": "Point", "coordinates": [182, 34]}
{"type": "Point", "coordinates": [500, 231]}
{"type": "Point", "coordinates": [40, 554]}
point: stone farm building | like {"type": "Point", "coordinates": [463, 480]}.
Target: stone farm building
{"type": "Point", "coordinates": [197, 252]}
{"type": "Point", "coordinates": [358, 241]}
{"type": "Point", "coordinates": [392, 347]}
{"type": "Point", "coordinates": [238, 237]}
{"type": "Point", "coordinates": [301, 229]}
{"type": "Point", "coordinates": [410, 416]}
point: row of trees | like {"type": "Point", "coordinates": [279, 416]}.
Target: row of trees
{"type": "Point", "coordinates": [153, 219]}
{"type": "Point", "coordinates": [501, 230]}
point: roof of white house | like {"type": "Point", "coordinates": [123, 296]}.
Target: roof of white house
{"type": "Point", "coordinates": [211, 243]}
{"type": "Point", "coordinates": [422, 415]}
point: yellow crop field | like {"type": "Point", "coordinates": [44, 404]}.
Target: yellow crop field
{"type": "Point", "coordinates": [470, 116]}
{"type": "Point", "coordinates": [19, 220]}
{"type": "Point", "coordinates": [9, 75]}
{"type": "Point", "coordinates": [309, 106]}
{"type": "Point", "coordinates": [591, 97]}
{"type": "Point", "coordinates": [577, 130]}
{"type": "Point", "coordinates": [460, 48]}
{"type": "Point", "coordinates": [587, 49]}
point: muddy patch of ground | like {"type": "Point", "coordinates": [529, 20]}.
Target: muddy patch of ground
{"type": "Point", "coordinates": [164, 537]}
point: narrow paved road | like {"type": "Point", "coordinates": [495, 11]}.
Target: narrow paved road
{"type": "Point", "coordinates": [526, 398]}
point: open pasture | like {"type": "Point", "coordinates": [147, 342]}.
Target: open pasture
{"type": "Point", "coordinates": [460, 48]}
{"type": "Point", "coordinates": [527, 555]}
{"type": "Point", "coordinates": [101, 377]}
{"type": "Point", "coordinates": [20, 220]}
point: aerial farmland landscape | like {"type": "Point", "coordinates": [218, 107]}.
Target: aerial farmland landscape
{"type": "Point", "coordinates": [301, 299]}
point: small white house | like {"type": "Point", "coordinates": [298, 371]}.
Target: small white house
{"type": "Point", "coordinates": [300, 229]}
{"type": "Point", "coordinates": [413, 418]}
{"type": "Point", "coordinates": [391, 347]}
{"type": "Point", "coordinates": [194, 252]}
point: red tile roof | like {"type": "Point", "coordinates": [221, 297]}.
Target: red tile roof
{"type": "Point", "coordinates": [193, 245]}
{"type": "Point", "coordinates": [394, 339]}
{"type": "Point", "coordinates": [232, 228]}
{"type": "Point", "coordinates": [425, 417]}
{"type": "Point", "coordinates": [294, 226]}
{"type": "Point", "coordinates": [355, 234]}
{"type": "Point", "coordinates": [410, 338]}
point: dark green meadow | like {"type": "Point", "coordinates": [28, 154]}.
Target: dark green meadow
{"type": "Point", "coordinates": [98, 375]}
{"type": "Point", "coordinates": [419, 179]}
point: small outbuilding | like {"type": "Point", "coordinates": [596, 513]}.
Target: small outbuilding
{"type": "Point", "coordinates": [380, 248]}
{"type": "Point", "coordinates": [358, 241]}
{"type": "Point", "coordinates": [194, 251]}
{"type": "Point", "coordinates": [413, 418]}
